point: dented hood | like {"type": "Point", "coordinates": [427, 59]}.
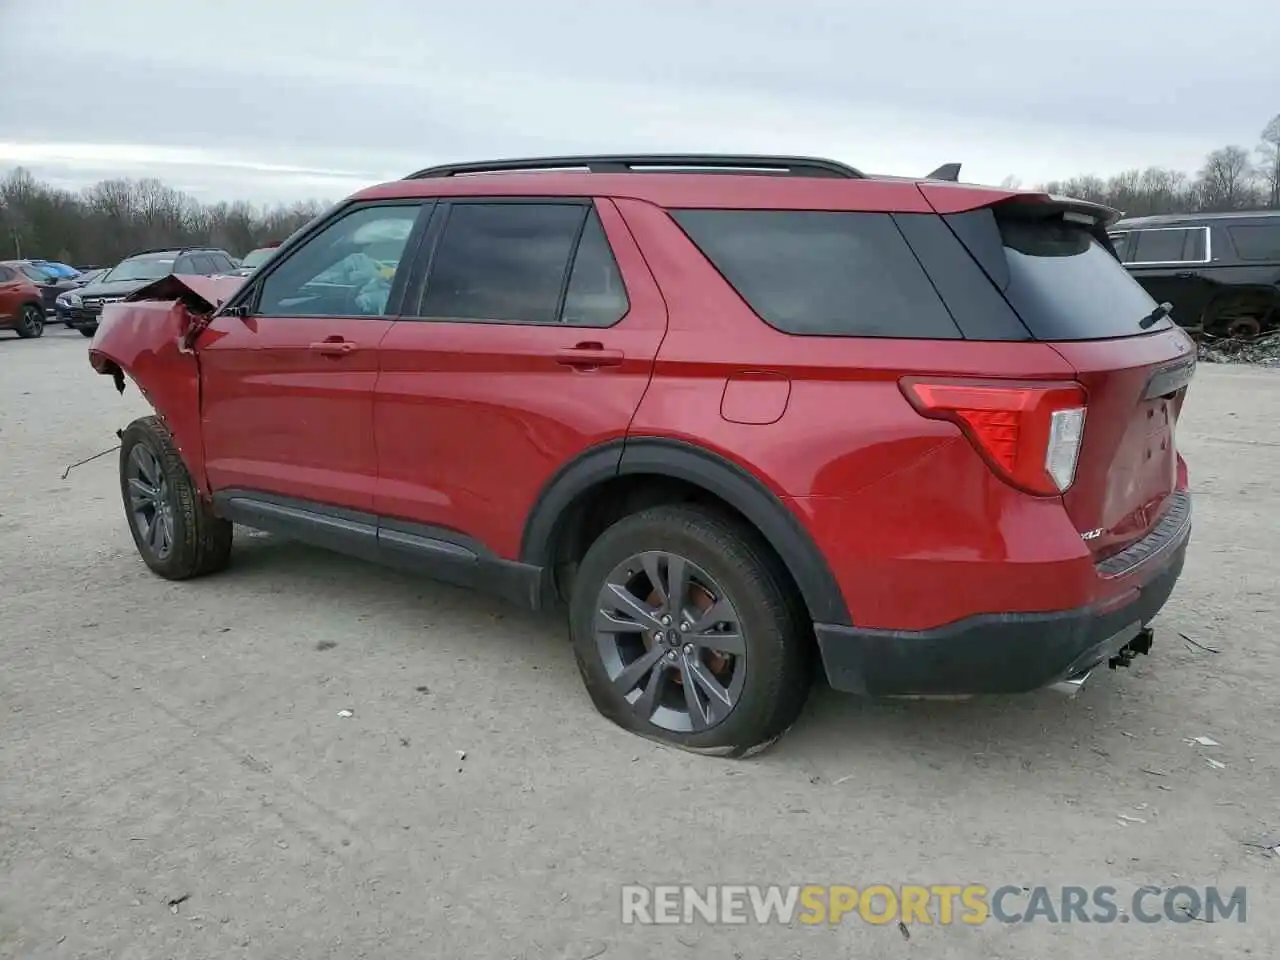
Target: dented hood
{"type": "Point", "coordinates": [200, 294]}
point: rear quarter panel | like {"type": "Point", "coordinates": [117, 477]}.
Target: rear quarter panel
{"type": "Point", "coordinates": [917, 529]}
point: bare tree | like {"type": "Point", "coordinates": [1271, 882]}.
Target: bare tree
{"type": "Point", "coordinates": [1227, 180]}
{"type": "Point", "coordinates": [114, 218]}
{"type": "Point", "coordinates": [1270, 166]}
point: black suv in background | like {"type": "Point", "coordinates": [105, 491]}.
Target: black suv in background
{"type": "Point", "coordinates": [84, 306]}
{"type": "Point", "coordinates": [1220, 271]}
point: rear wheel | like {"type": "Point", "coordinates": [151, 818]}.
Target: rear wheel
{"type": "Point", "coordinates": [684, 633]}
{"type": "Point", "coordinates": [30, 322]}
{"type": "Point", "coordinates": [176, 533]}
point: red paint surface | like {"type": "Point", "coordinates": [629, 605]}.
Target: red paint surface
{"type": "Point", "coordinates": [461, 425]}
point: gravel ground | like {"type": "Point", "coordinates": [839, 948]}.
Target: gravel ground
{"type": "Point", "coordinates": [162, 741]}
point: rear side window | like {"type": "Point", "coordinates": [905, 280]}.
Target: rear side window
{"type": "Point", "coordinates": [1256, 241]}
{"type": "Point", "coordinates": [1065, 285]}
{"type": "Point", "coordinates": [820, 273]}
{"type": "Point", "coordinates": [7, 275]}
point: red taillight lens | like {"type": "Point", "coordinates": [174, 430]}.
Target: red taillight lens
{"type": "Point", "coordinates": [1030, 433]}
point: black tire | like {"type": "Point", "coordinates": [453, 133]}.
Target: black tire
{"type": "Point", "coordinates": [773, 626]}
{"type": "Point", "coordinates": [30, 322]}
{"type": "Point", "coordinates": [88, 331]}
{"type": "Point", "coordinates": [198, 541]}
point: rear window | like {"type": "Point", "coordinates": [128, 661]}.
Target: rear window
{"type": "Point", "coordinates": [1256, 241]}
{"type": "Point", "coordinates": [1065, 285]}
{"type": "Point", "coordinates": [820, 273]}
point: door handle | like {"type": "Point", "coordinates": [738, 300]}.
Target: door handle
{"type": "Point", "coordinates": [1185, 275]}
{"type": "Point", "coordinates": [589, 356]}
{"type": "Point", "coordinates": [333, 347]}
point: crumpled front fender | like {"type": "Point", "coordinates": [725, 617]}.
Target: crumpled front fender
{"type": "Point", "coordinates": [146, 338]}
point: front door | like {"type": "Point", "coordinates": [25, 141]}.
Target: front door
{"type": "Point", "coordinates": [531, 341]}
{"type": "Point", "coordinates": [287, 387]}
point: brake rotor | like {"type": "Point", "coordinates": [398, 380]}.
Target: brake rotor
{"type": "Point", "coordinates": [1244, 328]}
{"type": "Point", "coordinates": [702, 601]}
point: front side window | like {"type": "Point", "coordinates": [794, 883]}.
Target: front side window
{"type": "Point", "coordinates": [1256, 241]}
{"type": "Point", "coordinates": [345, 270]}
{"type": "Point", "coordinates": [1167, 245]}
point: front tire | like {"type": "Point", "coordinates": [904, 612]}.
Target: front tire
{"type": "Point", "coordinates": [176, 533]}
{"type": "Point", "coordinates": [88, 331]}
{"type": "Point", "coordinates": [684, 632]}
{"type": "Point", "coordinates": [30, 322]}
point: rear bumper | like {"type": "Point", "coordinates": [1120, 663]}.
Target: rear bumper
{"type": "Point", "coordinates": [999, 653]}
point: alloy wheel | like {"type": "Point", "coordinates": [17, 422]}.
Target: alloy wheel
{"type": "Point", "coordinates": [150, 501]}
{"type": "Point", "coordinates": [671, 642]}
{"type": "Point", "coordinates": [32, 321]}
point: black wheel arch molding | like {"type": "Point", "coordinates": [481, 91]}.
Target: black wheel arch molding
{"type": "Point", "coordinates": [696, 465]}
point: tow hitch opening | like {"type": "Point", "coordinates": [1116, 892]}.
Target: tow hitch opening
{"type": "Point", "coordinates": [1139, 644]}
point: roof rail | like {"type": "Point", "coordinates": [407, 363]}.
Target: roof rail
{"type": "Point", "coordinates": [654, 163]}
{"type": "Point", "coordinates": [171, 249]}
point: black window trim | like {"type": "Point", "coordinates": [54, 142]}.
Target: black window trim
{"type": "Point", "coordinates": [244, 302]}
{"type": "Point", "coordinates": [1142, 231]}
{"type": "Point", "coordinates": [423, 267]}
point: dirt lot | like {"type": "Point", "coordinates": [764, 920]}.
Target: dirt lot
{"type": "Point", "coordinates": [161, 741]}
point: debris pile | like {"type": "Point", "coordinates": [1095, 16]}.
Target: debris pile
{"type": "Point", "coordinates": [1264, 350]}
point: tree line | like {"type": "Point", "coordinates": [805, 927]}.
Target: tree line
{"type": "Point", "coordinates": [104, 223]}
{"type": "Point", "coordinates": [110, 220]}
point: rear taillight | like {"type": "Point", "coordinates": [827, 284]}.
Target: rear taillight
{"type": "Point", "coordinates": [1030, 433]}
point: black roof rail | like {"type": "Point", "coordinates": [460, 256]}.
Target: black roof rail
{"type": "Point", "coordinates": [177, 250]}
{"type": "Point", "coordinates": [654, 163]}
{"type": "Point", "coordinates": [948, 171]}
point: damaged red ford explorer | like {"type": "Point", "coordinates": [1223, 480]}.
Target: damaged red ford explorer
{"type": "Point", "coordinates": [917, 433]}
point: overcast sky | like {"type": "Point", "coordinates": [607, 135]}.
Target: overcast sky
{"type": "Point", "coordinates": [289, 99]}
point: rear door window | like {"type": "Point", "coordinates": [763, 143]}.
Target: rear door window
{"type": "Point", "coordinates": [1256, 241]}
{"type": "Point", "coordinates": [1170, 246]}
{"type": "Point", "coordinates": [819, 273]}
{"type": "Point", "coordinates": [515, 263]}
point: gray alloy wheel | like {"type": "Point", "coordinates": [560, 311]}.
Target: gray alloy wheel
{"type": "Point", "coordinates": [151, 502]}
{"type": "Point", "coordinates": [31, 323]}
{"type": "Point", "coordinates": [176, 531]}
{"type": "Point", "coordinates": [684, 631]}
{"type": "Point", "coordinates": [671, 642]}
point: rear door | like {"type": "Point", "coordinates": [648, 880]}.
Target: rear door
{"type": "Point", "coordinates": [1172, 264]}
{"type": "Point", "coordinates": [1071, 294]}
{"type": "Point", "coordinates": [527, 337]}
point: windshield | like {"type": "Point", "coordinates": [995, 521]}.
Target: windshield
{"type": "Point", "coordinates": [38, 274]}
{"type": "Point", "coordinates": [256, 258]}
{"type": "Point", "coordinates": [141, 268]}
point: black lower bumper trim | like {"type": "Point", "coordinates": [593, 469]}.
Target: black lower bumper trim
{"type": "Point", "coordinates": [990, 654]}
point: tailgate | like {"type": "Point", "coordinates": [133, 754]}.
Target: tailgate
{"type": "Point", "coordinates": [1053, 262]}
{"type": "Point", "coordinates": [1128, 462]}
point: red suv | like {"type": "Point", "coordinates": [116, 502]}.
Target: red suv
{"type": "Point", "coordinates": [917, 431]}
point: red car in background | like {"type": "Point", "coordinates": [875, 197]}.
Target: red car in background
{"type": "Point", "coordinates": [21, 302]}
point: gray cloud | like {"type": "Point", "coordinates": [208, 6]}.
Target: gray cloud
{"type": "Point", "coordinates": [219, 99]}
